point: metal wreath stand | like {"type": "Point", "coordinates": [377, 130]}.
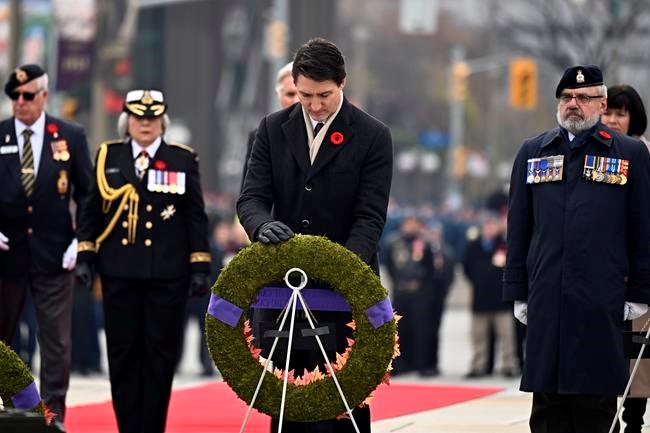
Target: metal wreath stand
{"type": "Point", "coordinates": [291, 305]}
{"type": "Point", "coordinates": [629, 382]}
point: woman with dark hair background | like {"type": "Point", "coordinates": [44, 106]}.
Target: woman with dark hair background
{"type": "Point", "coordinates": [625, 114]}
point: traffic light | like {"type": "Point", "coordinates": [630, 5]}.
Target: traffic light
{"type": "Point", "coordinates": [523, 83]}
{"type": "Point", "coordinates": [459, 73]}
{"type": "Point", "coordinates": [276, 39]}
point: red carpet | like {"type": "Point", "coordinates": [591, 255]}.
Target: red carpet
{"type": "Point", "coordinates": [214, 408]}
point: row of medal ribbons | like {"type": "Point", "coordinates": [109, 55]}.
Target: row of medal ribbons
{"type": "Point", "coordinates": [546, 169]}
{"type": "Point", "coordinates": [168, 182]}
{"type": "Point", "coordinates": [605, 169]}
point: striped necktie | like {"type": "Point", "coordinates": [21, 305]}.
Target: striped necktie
{"type": "Point", "coordinates": [28, 176]}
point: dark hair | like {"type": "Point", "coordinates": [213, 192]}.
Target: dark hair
{"type": "Point", "coordinates": [625, 97]}
{"type": "Point", "coordinates": [319, 60]}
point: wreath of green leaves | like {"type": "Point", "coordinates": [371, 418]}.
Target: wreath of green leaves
{"type": "Point", "coordinates": [14, 376]}
{"type": "Point", "coordinates": [324, 261]}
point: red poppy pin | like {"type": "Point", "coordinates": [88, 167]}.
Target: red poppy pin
{"type": "Point", "coordinates": [159, 165]}
{"type": "Point", "coordinates": [605, 134]}
{"type": "Point", "coordinates": [53, 129]}
{"type": "Point", "coordinates": [336, 138]}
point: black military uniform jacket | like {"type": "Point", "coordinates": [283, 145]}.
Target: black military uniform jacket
{"type": "Point", "coordinates": [343, 195]}
{"type": "Point", "coordinates": [578, 247]}
{"type": "Point", "coordinates": [170, 236]}
{"type": "Point", "coordinates": [40, 227]}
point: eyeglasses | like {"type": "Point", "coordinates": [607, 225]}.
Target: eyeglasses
{"type": "Point", "coordinates": [27, 96]}
{"type": "Point", "coordinates": [580, 99]}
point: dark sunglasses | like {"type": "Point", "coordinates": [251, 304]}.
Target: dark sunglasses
{"type": "Point", "coordinates": [27, 96]}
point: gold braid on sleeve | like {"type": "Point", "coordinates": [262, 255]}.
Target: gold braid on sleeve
{"type": "Point", "coordinates": [127, 194]}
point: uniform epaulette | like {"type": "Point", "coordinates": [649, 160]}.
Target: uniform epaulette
{"type": "Point", "coordinates": [109, 142]}
{"type": "Point", "coordinates": [182, 146]}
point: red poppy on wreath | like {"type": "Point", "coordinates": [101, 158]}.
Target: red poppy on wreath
{"type": "Point", "coordinates": [53, 129]}
{"type": "Point", "coordinates": [605, 134]}
{"type": "Point", "coordinates": [159, 165]}
{"type": "Point", "coordinates": [336, 138]}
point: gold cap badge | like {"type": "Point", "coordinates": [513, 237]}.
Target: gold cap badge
{"type": "Point", "coordinates": [21, 75]}
{"type": "Point", "coordinates": [579, 77]}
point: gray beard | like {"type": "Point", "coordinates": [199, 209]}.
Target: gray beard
{"type": "Point", "coordinates": [577, 126]}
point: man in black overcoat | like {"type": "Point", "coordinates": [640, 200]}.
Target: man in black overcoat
{"type": "Point", "coordinates": [578, 257]}
{"type": "Point", "coordinates": [321, 167]}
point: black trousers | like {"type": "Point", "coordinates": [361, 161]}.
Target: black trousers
{"type": "Point", "coordinates": [306, 354]}
{"type": "Point", "coordinates": [144, 326]}
{"type": "Point", "coordinates": [52, 296]}
{"type": "Point", "coordinates": [633, 411]}
{"type": "Point", "coordinates": [572, 413]}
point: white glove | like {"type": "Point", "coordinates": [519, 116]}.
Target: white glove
{"type": "Point", "coordinates": [521, 311]}
{"type": "Point", "coordinates": [70, 256]}
{"type": "Point", "coordinates": [633, 310]}
{"type": "Point", "coordinates": [4, 242]}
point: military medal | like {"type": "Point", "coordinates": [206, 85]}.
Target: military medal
{"type": "Point", "coordinates": [61, 152]}
{"type": "Point", "coordinates": [181, 182]}
{"type": "Point", "coordinates": [558, 163]}
{"type": "Point", "coordinates": [165, 183]}
{"type": "Point", "coordinates": [600, 176]}
{"type": "Point", "coordinates": [142, 164]}
{"type": "Point", "coordinates": [151, 180]}
{"type": "Point", "coordinates": [537, 170]}
{"type": "Point", "coordinates": [173, 187]}
{"type": "Point", "coordinates": [168, 212]}
{"type": "Point", "coordinates": [613, 177]}
{"type": "Point", "coordinates": [530, 178]}
{"type": "Point", "coordinates": [543, 165]}
{"type": "Point", "coordinates": [7, 138]}
{"type": "Point", "coordinates": [589, 167]}
{"type": "Point", "coordinates": [623, 174]}
{"type": "Point", "coordinates": [62, 182]}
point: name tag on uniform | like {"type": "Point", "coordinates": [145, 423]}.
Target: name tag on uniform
{"type": "Point", "coordinates": [5, 150]}
{"type": "Point", "coordinates": [545, 169]}
{"type": "Point", "coordinates": [606, 169]}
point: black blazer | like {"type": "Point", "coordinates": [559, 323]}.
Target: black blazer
{"type": "Point", "coordinates": [343, 195]}
{"type": "Point", "coordinates": [40, 227]}
{"type": "Point", "coordinates": [172, 230]}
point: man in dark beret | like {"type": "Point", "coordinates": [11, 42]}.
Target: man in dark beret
{"type": "Point", "coordinates": [578, 257]}
{"type": "Point", "coordinates": [44, 162]}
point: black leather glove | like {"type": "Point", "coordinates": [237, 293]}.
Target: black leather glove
{"type": "Point", "coordinates": [84, 274]}
{"type": "Point", "coordinates": [199, 284]}
{"type": "Point", "coordinates": [274, 232]}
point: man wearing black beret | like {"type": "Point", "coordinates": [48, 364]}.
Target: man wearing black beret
{"type": "Point", "coordinates": [578, 257]}
{"type": "Point", "coordinates": [44, 162]}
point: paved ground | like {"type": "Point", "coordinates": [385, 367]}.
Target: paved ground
{"type": "Point", "coordinates": [504, 412]}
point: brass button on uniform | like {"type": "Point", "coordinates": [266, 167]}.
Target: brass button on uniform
{"type": "Point", "coordinates": [148, 224]}
{"type": "Point", "coordinates": [149, 208]}
{"type": "Point", "coordinates": [308, 187]}
{"type": "Point", "coordinates": [125, 224]}
{"type": "Point", "coordinates": [147, 242]}
{"type": "Point", "coordinates": [30, 231]}
{"type": "Point", "coordinates": [126, 207]}
{"type": "Point", "coordinates": [30, 209]}
{"type": "Point", "coordinates": [305, 223]}
{"type": "Point", "coordinates": [125, 241]}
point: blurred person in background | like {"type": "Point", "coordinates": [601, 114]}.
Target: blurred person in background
{"type": "Point", "coordinates": [321, 167]}
{"type": "Point", "coordinates": [409, 261]}
{"type": "Point", "coordinates": [287, 95]}
{"type": "Point", "coordinates": [441, 280]}
{"type": "Point", "coordinates": [578, 260]}
{"type": "Point", "coordinates": [44, 162]}
{"type": "Point", "coordinates": [626, 114]}
{"type": "Point", "coordinates": [147, 214]}
{"type": "Point", "coordinates": [483, 263]}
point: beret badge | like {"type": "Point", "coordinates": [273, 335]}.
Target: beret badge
{"type": "Point", "coordinates": [21, 75]}
{"type": "Point", "coordinates": [580, 78]}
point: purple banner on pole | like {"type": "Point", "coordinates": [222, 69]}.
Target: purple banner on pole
{"type": "Point", "coordinates": [75, 62]}
{"type": "Point", "coordinates": [316, 299]}
{"type": "Point", "coordinates": [380, 313]}
{"type": "Point", "coordinates": [224, 311]}
{"type": "Point", "coordinates": [27, 399]}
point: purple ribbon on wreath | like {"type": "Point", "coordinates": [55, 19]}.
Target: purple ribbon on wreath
{"type": "Point", "coordinates": [26, 399]}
